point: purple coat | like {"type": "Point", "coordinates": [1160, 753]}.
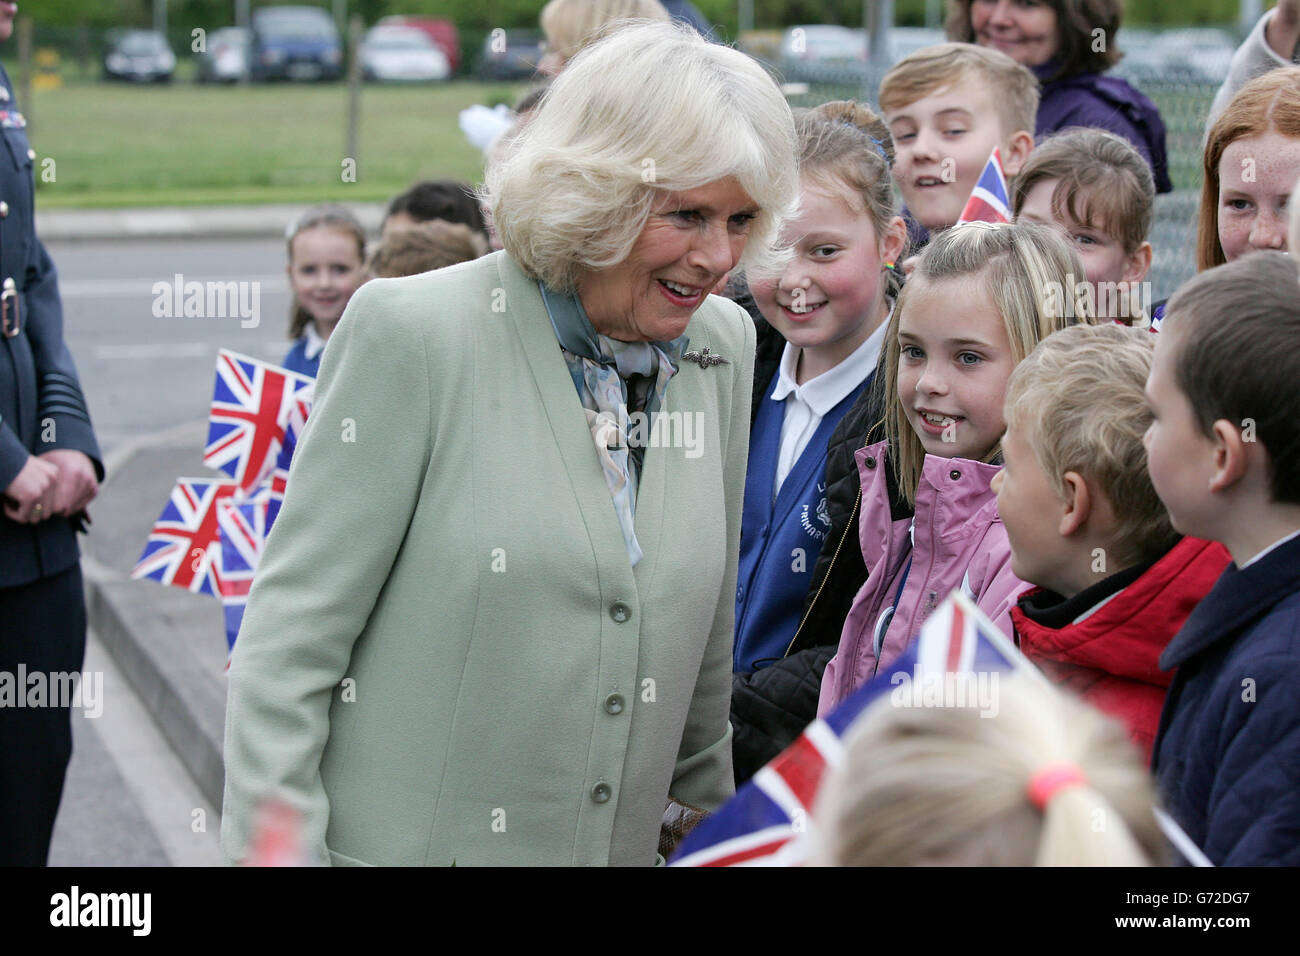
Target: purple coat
{"type": "Point", "coordinates": [958, 542]}
{"type": "Point", "coordinates": [1106, 102]}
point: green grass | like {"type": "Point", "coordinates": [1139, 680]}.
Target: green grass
{"type": "Point", "coordinates": [124, 145]}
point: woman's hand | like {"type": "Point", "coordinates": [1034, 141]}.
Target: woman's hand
{"type": "Point", "coordinates": [31, 496]}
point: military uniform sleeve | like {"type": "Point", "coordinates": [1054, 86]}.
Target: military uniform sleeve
{"type": "Point", "coordinates": [60, 404]}
{"type": "Point", "coordinates": [13, 455]}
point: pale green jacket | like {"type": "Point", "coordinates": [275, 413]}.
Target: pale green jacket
{"type": "Point", "coordinates": [446, 655]}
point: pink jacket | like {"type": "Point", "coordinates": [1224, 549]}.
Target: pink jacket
{"type": "Point", "coordinates": [958, 542]}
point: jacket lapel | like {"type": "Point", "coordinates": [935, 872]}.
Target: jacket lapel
{"type": "Point", "coordinates": [564, 412]}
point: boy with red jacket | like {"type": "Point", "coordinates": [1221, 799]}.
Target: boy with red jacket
{"type": "Point", "coordinates": [1114, 581]}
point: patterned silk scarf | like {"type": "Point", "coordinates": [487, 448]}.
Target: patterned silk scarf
{"type": "Point", "coordinates": [615, 380]}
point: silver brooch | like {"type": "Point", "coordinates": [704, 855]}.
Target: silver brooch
{"type": "Point", "coordinates": [704, 358]}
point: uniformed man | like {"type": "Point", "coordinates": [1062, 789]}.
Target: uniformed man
{"type": "Point", "coordinates": [49, 471]}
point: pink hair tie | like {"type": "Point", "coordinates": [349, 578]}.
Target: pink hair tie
{"type": "Point", "coordinates": [1050, 780]}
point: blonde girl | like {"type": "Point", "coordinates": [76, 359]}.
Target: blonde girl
{"type": "Point", "coordinates": [981, 298]}
{"type": "Point", "coordinates": [1045, 780]}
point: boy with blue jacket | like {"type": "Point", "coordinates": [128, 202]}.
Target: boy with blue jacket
{"type": "Point", "coordinates": [1224, 456]}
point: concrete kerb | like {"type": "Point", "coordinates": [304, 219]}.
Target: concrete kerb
{"type": "Point", "coordinates": [137, 622]}
{"type": "Point", "coordinates": [185, 222]}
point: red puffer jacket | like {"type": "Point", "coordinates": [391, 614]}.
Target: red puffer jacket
{"type": "Point", "coordinates": [1110, 655]}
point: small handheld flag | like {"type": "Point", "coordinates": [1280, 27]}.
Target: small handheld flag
{"type": "Point", "coordinates": [251, 404]}
{"type": "Point", "coordinates": [184, 547]}
{"type": "Point", "coordinates": [989, 200]}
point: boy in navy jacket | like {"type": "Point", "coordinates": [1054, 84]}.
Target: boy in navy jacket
{"type": "Point", "coordinates": [1224, 456]}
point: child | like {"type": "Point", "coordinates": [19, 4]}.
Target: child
{"type": "Point", "coordinates": [327, 255]}
{"type": "Point", "coordinates": [443, 199]}
{"type": "Point", "coordinates": [947, 107]}
{"type": "Point", "coordinates": [830, 304]}
{"type": "Point", "coordinates": [424, 247]}
{"type": "Point", "coordinates": [1252, 160]}
{"type": "Point", "coordinates": [1224, 455]}
{"type": "Point", "coordinates": [979, 301]}
{"type": "Point", "coordinates": [950, 786]}
{"type": "Point", "coordinates": [1114, 581]}
{"type": "Point", "coordinates": [1096, 188]}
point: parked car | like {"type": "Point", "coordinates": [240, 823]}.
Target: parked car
{"type": "Point", "coordinates": [821, 53]}
{"type": "Point", "coordinates": [295, 43]}
{"type": "Point", "coordinates": [140, 56]}
{"type": "Point", "coordinates": [443, 33]}
{"type": "Point", "coordinates": [225, 56]}
{"type": "Point", "coordinates": [397, 54]}
{"type": "Point", "coordinates": [510, 54]}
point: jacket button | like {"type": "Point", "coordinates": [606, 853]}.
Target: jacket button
{"type": "Point", "coordinates": [600, 793]}
{"type": "Point", "coordinates": [870, 462]}
{"type": "Point", "coordinates": [31, 154]}
{"type": "Point", "coordinates": [740, 593]}
{"type": "Point", "coordinates": [4, 209]}
{"type": "Point", "coordinates": [614, 704]}
{"type": "Point", "coordinates": [954, 474]}
{"type": "Point", "coordinates": [620, 612]}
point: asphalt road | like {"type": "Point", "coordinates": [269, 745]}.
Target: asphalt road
{"type": "Point", "coordinates": [143, 369]}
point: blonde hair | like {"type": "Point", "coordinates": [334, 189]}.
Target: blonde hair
{"type": "Point", "coordinates": [324, 216]}
{"type": "Point", "coordinates": [1078, 401]}
{"type": "Point", "coordinates": [1268, 102]}
{"type": "Point", "coordinates": [425, 246]}
{"type": "Point", "coordinates": [1013, 88]}
{"type": "Point", "coordinates": [845, 146]}
{"type": "Point", "coordinates": [931, 785]}
{"type": "Point", "coordinates": [1029, 271]}
{"type": "Point", "coordinates": [650, 109]}
{"type": "Point", "coordinates": [570, 25]}
{"type": "Point", "coordinates": [1103, 183]}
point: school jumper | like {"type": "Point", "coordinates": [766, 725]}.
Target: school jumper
{"type": "Point", "coordinates": [1227, 755]}
{"type": "Point", "coordinates": [782, 533]}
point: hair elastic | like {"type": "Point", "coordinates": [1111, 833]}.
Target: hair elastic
{"type": "Point", "coordinates": [880, 148]}
{"type": "Point", "coordinates": [1050, 780]}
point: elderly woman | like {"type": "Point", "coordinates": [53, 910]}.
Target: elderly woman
{"type": "Point", "coordinates": [494, 622]}
{"type": "Point", "coordinates": [1069, 44]}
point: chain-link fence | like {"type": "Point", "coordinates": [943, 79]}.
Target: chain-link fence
{"type": "Point", "coordinates": [1180, 70]}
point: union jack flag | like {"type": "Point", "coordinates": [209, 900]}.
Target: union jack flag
{"type": "Point", "coordinates": [184, 547]}
{"type": "Point", "coordinates": [243, 534]}
{"type": "Point", "coordinates": [769, 821]}
{"type": "Point", "coordinates": [293, 426]}
{"type": "Point", "coordinates": [989, 200]}
{"type": "Point", "coordinates": [244, 525]}
{"type": "Point", "coordinates": [251, 403]}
